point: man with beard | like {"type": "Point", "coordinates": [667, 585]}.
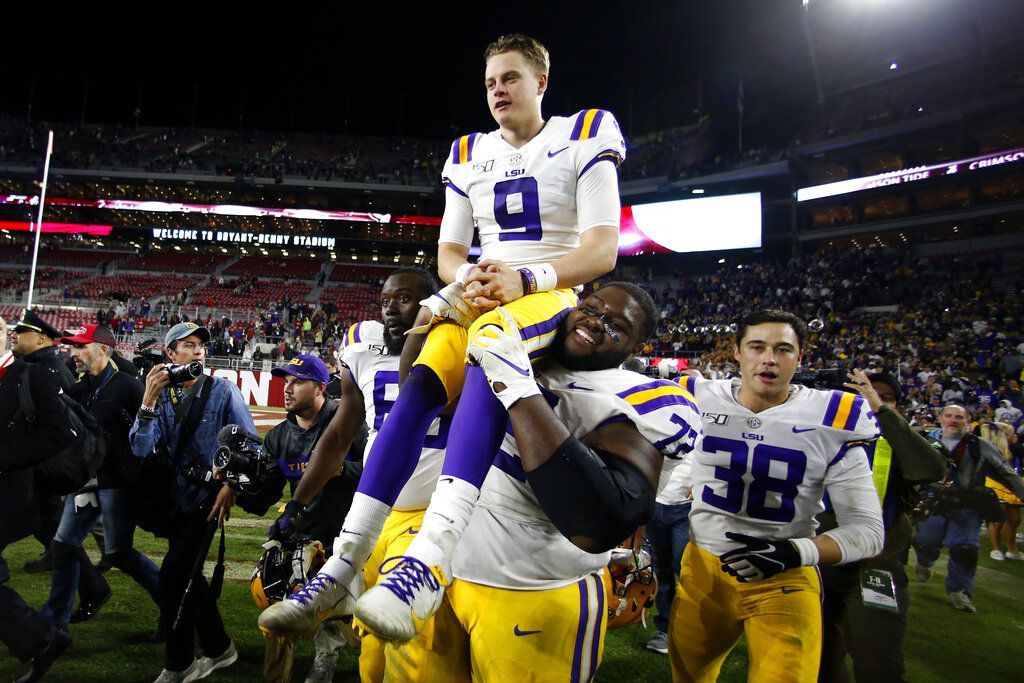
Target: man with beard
{"type": "Point", "coordinates": [578, 477]}
{"type": "Point", "coordinates": [369, 386]}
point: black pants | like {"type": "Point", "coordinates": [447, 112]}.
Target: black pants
{"type": "Point", "coordinates": [203, 619]}
{"type": "Point", "coordinates": [23, 630]}
{"type": "Point", "coordinates": [873, 637]}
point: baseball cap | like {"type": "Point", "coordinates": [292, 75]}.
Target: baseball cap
{"type": "Point", "coordinates": [92, 333]}
{"type": "Point", "coordinates": [182, 330]}
{"type": "Point", "coordinates": [304, 366]}
{"type": "Point", "coordinates": [29, 321]}
{"type": "Point", "coordinates": [888, 378]}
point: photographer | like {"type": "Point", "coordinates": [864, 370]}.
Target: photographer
{"type": "Point", "coordinates": [180, 420]}
{"type": "Point", "coordinates": [963, 502]}
{"type": "Point", "coordinates": [291, 444]}
{"type": "Point", "coordinates": [873, 635]}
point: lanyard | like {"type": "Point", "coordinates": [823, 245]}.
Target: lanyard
{"type": "Point", "coordinates": [109, 372]}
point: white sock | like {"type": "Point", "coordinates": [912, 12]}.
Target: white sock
{"type": "Point", "coordinates": [445, 520]}
{"type": "Point", "coordinates": [360, 531]}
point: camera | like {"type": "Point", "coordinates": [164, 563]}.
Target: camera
{"type": "Point", "coordinates": [145, 357]}
{"type": "Point", "coordinates": [179, 374]}
{"type": "Point", "coordinates": [827, 378]}
{"type": "Point", "coordinates": [242, 453]}
{"type": "Point", "coordinates": [200, 476]}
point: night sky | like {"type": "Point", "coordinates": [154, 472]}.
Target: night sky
{"type": "Point", "coordinates": [381, 71]}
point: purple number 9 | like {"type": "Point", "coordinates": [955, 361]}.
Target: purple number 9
{"type": "Point", "coordinates": [525, 216]}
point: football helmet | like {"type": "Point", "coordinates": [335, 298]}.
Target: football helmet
{"type": "Point", "coordinates": [283, 569]}
{"type": "Point", "coordinates": [630, 586]}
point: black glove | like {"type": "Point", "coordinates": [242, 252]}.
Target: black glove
{"type": "Point", "coordinates": [758, 559]}
{"type": "Point", "coordinates": [289, 525]}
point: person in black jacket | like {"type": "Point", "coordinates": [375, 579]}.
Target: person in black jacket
{"type": "Point", "coordinates": [25, 632]}
{"type": "Point", "coordinates": [291, 442]}
{"type": "Point", "coordinates": [112, 393]}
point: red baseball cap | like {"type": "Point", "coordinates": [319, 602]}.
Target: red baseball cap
{"type": "Point", "coordinates": [91, 333]}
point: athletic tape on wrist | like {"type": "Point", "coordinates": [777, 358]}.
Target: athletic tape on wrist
{"type": "Point", "coordinates": [808, 551]}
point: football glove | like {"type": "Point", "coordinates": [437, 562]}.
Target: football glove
{"type": "Point", "coordinates": [500, 352]}
{"type": "Point", "coordinates": [758, 559]}
{"type": "Point", "coordinates": [287, 527]}
{"type": "Point", "coordinates": [448, 304]}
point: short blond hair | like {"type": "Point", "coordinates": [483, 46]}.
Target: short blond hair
{"type": "Point", "coordinates": [530, 48]}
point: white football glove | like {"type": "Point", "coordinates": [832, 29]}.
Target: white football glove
{"type": "Point", "coordinates": [448, 304]}
{"type": "Point", "coordinates": [500, 352]}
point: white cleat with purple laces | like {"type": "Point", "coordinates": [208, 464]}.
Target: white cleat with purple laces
{"type": "Point", "coordinates": [330, 594]}
{"type": "Point", "coordinates": [408, 594]}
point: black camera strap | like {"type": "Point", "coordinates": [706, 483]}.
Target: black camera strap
{"type": "Point", "coordinates": [193, 412]}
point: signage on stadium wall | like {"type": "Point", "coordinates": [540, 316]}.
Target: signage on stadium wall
{"type": "Point", "coordinates": [260, 389]}
{"type": "Point", "coordinates": [189, 236]}
{"type": "Point", "coordinates": [911, 175]}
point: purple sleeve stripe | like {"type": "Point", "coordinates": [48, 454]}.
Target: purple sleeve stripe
{"type": "Point", "coordinates": [543, 327]}
{"type": "Point", "coordinates": [447, 182]}
{"type": "Point", "coordinates": [581, 631]}
{"type": "Point", "coordinates": [845, 448]}
{"type": "Point", "coordinates": [578, 128]}
{"type": "Point", "coordinates": [607, 155]}
{"type": "Point", "coordinates": [855, 409]}
{"type": "Point", "coordinates": [690, 383]}
{"type": "Point", "coordinates": [595, 124]}
{"type": "Point", "coordinates": [833, 408]}
{"type": "Point", "coordinates": [613, 419]}
{"type": "Point", "coordinates": [455, 151]}
{"type": "Point", "coordinates": [661, 402]}
{"type": "Point", "coordinates": [355, 333]}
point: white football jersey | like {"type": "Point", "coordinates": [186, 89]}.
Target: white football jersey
{"type": "Point", "coordinates": [523, 201]}
{"type": "Point", "coordinates": [375, 371]}
{"type": "Point", "coordinates": [764, 474]}
{"type": "Point", "coordinates": [510, 542]}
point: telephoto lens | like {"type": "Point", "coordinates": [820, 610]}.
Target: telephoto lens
{"type": "Point", "coordinates": [178, 374]}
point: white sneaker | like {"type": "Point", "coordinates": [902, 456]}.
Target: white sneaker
{"type": "Point", "coordinates": [187, 676]}
{"type": "Point", "coordinates": [407, 595]}
{"type": "Point", "coordinates": [207, 665]}
{"type": "Point", "coordinates": [997, 555]}
{"type": "Point", "coordinates": [324, 665]}
{"type": "Point", "coordinates": [961, 601]}
{"type": "Point", "coordinates": [659, 643]}
{"type": "Point", "coordinates": [1019, 556]}
{"type": "Point", "coordinates": [328, 595]}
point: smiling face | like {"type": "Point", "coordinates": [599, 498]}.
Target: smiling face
{"type": "Point", "coordinates": [601, 332]}
{"type": "Point", "coordinates": [514, 90]}
{"type": "Point", "coordinates": [768, 354]}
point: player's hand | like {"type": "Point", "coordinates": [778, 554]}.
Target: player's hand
{"type": "Point", "coordinates": [757, 559]}
{"type": "Point", "coordinates": [500, 352]}
{"type": "Point", "coordinates": [156, 380]}
{"type": "Point", "coordinates": [221, 510]}
{"type": "Point", "coordinates": [494, 281]}
{"type": "Point", "coordinates": [448, 304]}
{"type": "Point", "coordinates": [860, 383]}
{"type": "Point", "coordinates": [286, 527]}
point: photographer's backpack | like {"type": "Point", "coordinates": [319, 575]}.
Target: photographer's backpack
{"type": "Point", "coordinates": [69, 470]}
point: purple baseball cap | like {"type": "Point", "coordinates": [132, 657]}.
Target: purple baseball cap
{"type": "Point", "coordinates": [304, 366]}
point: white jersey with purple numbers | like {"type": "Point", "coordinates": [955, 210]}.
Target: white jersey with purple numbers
{"type": "Point", "coordinates": [375, 371]}
{"type": "Point", "coordinates": [510, 542]}
{"type": "Point", "coordinates": [764, 474]}
{"type": "Point", "coordinates": [523, 201]}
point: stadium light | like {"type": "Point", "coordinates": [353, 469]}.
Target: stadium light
{"type": "Point", "coordinates": [721, 260]}
{"type": "Point", "coordinates": [697, 190]}
{"type": "Point", "coordinates": [893, 66]}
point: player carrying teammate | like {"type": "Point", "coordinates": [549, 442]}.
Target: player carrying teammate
{"type": "Point", "coordinates": [547, 213]}
{"type": "Point", "coordinates": [768, 452]}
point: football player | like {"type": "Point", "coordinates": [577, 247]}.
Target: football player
{"type": "Point", "coordinates": [768, 451]}
{"type": "Point", "coordinates": [580, 475]}
{"type": "Point", "coordinates": [547, 213]}
{"type": "Point", "coordinates": [369, 386]}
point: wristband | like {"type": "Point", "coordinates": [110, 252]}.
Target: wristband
{"type": "Point", "coordinates": [808, 551]}
{"type": "Point", "coordinates": [463, 271]}
{"type": "Point", "coordinates": [146, 413]}
{"type": "Point", "coordinates": [529, 281]}
{"type": "Point", "coordinates": [544, 275]}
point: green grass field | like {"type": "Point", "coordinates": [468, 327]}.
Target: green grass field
{"type": "Point", "coordinates": [941, 643]}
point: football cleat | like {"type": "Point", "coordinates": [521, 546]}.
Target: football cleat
{"type": "Point", "coordinates": [408, 594]}
{"type": "Point", "coordinates": [330, 594]}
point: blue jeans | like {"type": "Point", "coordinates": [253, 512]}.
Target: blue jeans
{"type": "Point", "coordinates": [957, 530]}
{"type": "Point", "coordinates": [119, 531]}
{"type": "Point", "coordinates": [668, 531]}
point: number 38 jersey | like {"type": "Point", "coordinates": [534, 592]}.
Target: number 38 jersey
{"type": "Point", "coordinates": [510, 542]}
{"type": "Point", "coordinates": [523, 201]}
{"type": "Point", "coordinates": [375, 371]}
{"type": "Point", "coordinates": [764, 474]}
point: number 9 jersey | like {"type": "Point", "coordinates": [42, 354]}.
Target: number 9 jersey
{"type": "Point", "coordinates": [523, 202]}
{"type": "Point", "coordinates": [764, 474]}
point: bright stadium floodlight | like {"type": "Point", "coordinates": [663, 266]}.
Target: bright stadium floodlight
{"type": "Point", "coordinates": [697, 190]}
{"type": "Point", "coordinates": [893, 66]}
{"type": "Point", "coordinates": [721, 260]}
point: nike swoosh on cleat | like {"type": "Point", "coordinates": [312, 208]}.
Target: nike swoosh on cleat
{"type": "Point", "coordinates": [523, 633]}
{"type": "Point", "coordinates": [411, 531]}
{"type": "Point", "coordinates": [573, 385]}
{"type": "Point", "coordinates": [787, 591]}
{"type": "Point", "coordinates": [552, 155]}
{"type": "Point", "coordinates": [524, 373]}
{"type": "Point", "coordinates": [797, 430]}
